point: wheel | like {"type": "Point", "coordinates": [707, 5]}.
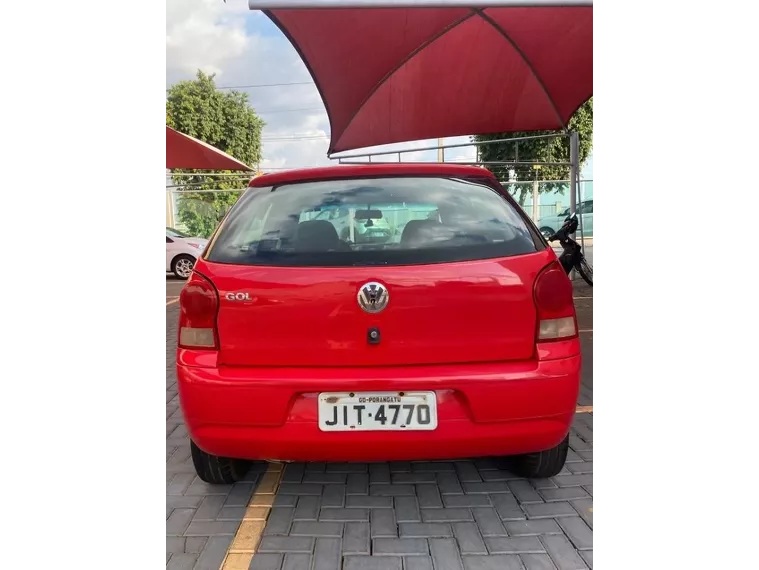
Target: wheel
{"type": "Point", "coordinates": [217, 470]}
{"type": "Point", "coordinates": [182, 266]}
{"type": "Point", "coordinates": [547, 232]}
{"type": "Point", "coordinates": [586, 271]}
{"type": "Point", "coordinates": [543, 463]}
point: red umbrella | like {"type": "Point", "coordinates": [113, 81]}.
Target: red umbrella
{"type": "Point", "coordinates": [394, 74]}
{"type": "Point", "coordinates": [184, 151]}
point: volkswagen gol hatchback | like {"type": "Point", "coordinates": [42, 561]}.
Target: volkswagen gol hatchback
{"type": "Point", "coordinates": [451, 335]}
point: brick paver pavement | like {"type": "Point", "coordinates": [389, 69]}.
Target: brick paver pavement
{"type": "Point", "coordinates": [447, 515]}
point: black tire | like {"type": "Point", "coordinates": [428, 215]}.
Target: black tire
{"type": "Point", "coordinates": [542, 464]}
{"type": "Point", "coordinates": [179, 266]}
{"type": "Point", "coordinates": [217, 470]}
{"type": "Point", "coordinates": [586, 271]}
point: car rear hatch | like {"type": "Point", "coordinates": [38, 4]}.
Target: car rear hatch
{"type": "Point", "coordinates": [458, 269]}
{"type": "Point", "coordinates": [476, 311]}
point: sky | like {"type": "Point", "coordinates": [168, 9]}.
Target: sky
{"type": "Point", "coordinates": [242, 47]}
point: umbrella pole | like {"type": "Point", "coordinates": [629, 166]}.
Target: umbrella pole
{"type": "Point", "coordinates": [574, 160]}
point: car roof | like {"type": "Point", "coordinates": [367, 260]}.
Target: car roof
{"type": "Point", "coordinates": [371, 170]}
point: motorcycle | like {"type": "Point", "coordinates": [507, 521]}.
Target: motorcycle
{"type": "Point", "coordinates": [572, 256]}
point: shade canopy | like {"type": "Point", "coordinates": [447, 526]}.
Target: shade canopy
{"type": "Point", "coordinates": [396, 74]}
{"type": "Point", "coordinates": [184, 151]}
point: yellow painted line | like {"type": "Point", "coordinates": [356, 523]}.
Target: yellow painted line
{"type": "Point", "coordinates": [174, 300]}
{"type": "Point", "coordinates": [248, 536]}
{"type": "Point", "coordinates": [584, 410]}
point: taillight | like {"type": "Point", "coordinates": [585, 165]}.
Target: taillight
{"type": "Point", "coordinates": [198, 305]}
{"type": "Point", "coordinates": [556, 309]}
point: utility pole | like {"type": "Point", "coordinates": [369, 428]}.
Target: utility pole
{"type": "Point", "coordinates": [574, 169]}
{"type": "Point", "coordinates": [167, 194]}
{"type": "Point", "coordinates": [440, 151]}
{"type": "Point", "coordinates": [574, 162]}
{"type": "Point", "coordinates": [535, 194]}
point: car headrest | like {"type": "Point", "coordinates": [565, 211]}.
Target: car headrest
{"type": "Point", "coordinates": [316, 235]}
{"type": "Point", "coordinates": [419, 231]}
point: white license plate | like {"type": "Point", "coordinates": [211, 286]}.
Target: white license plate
{"type": "Point", "coordinates": [377, 411]}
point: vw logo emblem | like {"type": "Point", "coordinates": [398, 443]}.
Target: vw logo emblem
{"type": "Point", "coordinates": [373, 297]}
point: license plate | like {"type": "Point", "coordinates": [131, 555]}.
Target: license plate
{"type": "Point", "coordinates": [377, 411]}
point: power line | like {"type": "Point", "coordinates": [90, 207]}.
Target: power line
{"type": "Point", "coordinates": [325, 139]}
{"type": "Point", "coordinates": [270, 111]}
{"type": "Point", "coordinates": [266, 85]}
{"type": "Point", "coordinates": [295, 139]}
{"type": "Point", "coordinates": [287, 134]}
{"type": "Point", "coordinates": [293, 136]}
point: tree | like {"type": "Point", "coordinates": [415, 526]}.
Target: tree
{"type": "Point", "coordinates": [539, 150]}
{"type": "Point", "coordinates": [224, 120]}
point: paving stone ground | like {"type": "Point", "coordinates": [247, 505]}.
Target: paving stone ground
{"type": "Point", "coordinates": [446, 515]}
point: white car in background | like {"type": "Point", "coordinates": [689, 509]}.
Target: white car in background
{"type": "Point", "coordinates": [181, 252]}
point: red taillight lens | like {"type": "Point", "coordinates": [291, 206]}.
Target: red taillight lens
{"type": "Point", "coordinates": [198, 305]}
{"type": "Point", "coordinates": [556, 309]}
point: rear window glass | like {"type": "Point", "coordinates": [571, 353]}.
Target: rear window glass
{"type": "Point", "coordinates": [172, 233]}
{"type": "Point", "coordinates": [386, 221]}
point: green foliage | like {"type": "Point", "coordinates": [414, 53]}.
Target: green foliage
{"type": "Point", "coordinates": [224, 120]}
{"type": "Point", "coordinates": [540, 150]}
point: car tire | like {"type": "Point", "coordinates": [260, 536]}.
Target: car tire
{"type": "Point", "coordinates": [542, 464]}
{"type": "Point", "coordinates": [217, 470]}
{"type": "Point", "coordinates": [182, 266]}
{"type": "Point", "coordinates": [546, 231]}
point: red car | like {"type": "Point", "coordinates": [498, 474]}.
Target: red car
{"type": "Point", "coordinates": [373, 313]}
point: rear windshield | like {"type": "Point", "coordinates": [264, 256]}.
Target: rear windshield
{"type": "Point", "coordinates": [171, 232]}
{"type": "Point", "coordinates": [386, 221]}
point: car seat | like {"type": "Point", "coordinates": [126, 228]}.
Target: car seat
{"type": "Point", "coordinates": [317, 236]}
{"type": "Point", "coordinates": [419, 232]}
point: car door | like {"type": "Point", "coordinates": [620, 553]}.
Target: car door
{"type": "Point", "coordinates": [171, 247]}
{"type": "Point", "coordinates": [587, 218]}
{"type": "Point", "coordinates": [551, 223]}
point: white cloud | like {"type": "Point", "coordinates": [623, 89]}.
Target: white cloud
{"type": "Point", "coordinates": [203, 34]}
{"type": "Point", "coordinates": [212, 36]}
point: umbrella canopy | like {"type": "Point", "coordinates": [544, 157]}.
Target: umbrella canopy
{"type": "Point", "coordinates": [397, 74]}
{"type": "Point", "coordinates": [184, 151]}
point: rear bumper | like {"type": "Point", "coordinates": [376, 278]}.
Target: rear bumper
{"type": "Point", "coordinates": [483, 409]}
